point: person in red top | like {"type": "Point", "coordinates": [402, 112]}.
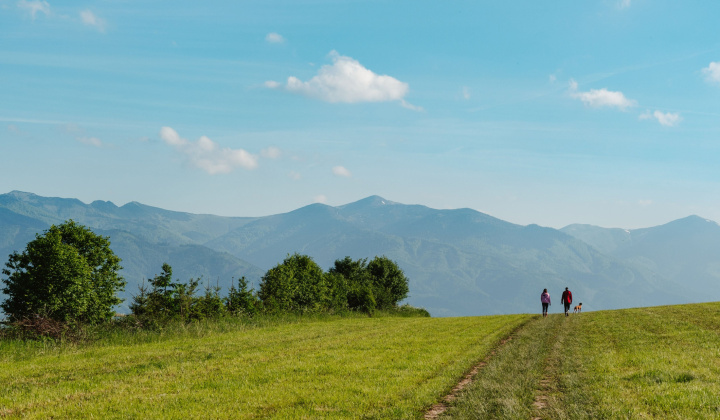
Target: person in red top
{"type": "Point", "coordinates": [566, 299]}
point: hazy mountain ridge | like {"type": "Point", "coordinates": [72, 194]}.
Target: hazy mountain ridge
{"type": "Point", "coordinates": [686, 251]}
{"type": "Point", "coordinates": [460, 262]}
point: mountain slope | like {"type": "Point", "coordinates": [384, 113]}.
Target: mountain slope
{"type": "Point", "coordinates": [685, 251]}
{"type": "Point", "coordinates": [459, 262]}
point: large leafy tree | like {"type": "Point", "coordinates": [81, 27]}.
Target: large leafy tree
{"type": "Point", "coordinates": [67, 273]}
{"type": "Point", "coordinates": [379, 283]}
{"type": "Point", "coordinates": [298, 283]}
{"type": "Point", "coordinates": [389, 282]}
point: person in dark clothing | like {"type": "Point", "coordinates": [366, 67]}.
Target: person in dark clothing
{"type": "Point", "coordinates": [545, 300]}
{"type": "Point", "coordinates": [566, 299]}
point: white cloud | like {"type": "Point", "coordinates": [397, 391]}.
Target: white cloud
{"type": "Point", "coordinates": [667, 119]}
{"type": "Point", "coordinates": [205, 154]}
{"type": "Point", "coordinates": [466, 92]}
{"type": "Point", "coordinates": [34, 7]}
{"type": "Point", "coordinates": [320, 199]}
{"type": "Point", "coordinates": [341, 171]}
{"type": "Point", "coordinates": [348, 81]}
{"type": "Point", "coordinates": [624, 4]}
{"type": "Point", "coordinates": [270, 153]}
{"type": "Point", "coordinates": [294, 175]}
{"type": "Point", "coordinates": [90, 141]}
{"type": "Point", "coordinates": [274, 38]}
{"type": "Point", "coordinates": [712, 72]}
{"type": "Point", "coordinates": [90, 19]}
{"type": "Point", "coordinates": [601, 97]}
{"type": "Point", "coordinates": [552, 78]}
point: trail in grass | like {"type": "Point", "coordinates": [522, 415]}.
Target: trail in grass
{"type": "Point", "coordinates": [509, 384]}
{"type": "Point", "coordinates": [660, 362]}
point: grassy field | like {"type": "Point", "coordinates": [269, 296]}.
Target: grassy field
{"type": "Point", "coordinates": [341, 368]}
{"type": "Point", "coordinates": [661, 363]}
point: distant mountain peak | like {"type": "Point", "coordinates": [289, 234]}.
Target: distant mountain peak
{"type": "Point", "coordinates": [372, 201]}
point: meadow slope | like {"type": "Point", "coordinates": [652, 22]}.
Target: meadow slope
{"type": "Point", "coordinates": [658, 362]}
{"type": "Point", "coordinates": [341, 368]}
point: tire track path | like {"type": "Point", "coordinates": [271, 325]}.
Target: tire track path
{"type": "Point", "coordinates": [515, 381]}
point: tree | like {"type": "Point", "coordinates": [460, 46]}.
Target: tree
{"type": "Point", "coordinates": [240, 300]}
{"type": "Point", "coordinates": [389, 282]}
{"type": "Point", "coordinates": [67, 273]}
{"type": "Point", "coordinates": [379, 283]}
{"type": "Point", "coordinates": [298, 283]}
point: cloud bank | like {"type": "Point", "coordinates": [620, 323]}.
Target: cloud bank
{"type": "Point", "coordinates": [347, 81]}
{"type": "Point", "coordinates": [205, 154]}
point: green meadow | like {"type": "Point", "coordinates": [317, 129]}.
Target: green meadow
{"type": "Point", "coordinates": [338, 368]}
{"type": "Point", "coordinates": [660, 362]}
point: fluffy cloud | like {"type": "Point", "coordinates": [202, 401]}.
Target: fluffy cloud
{"type": "Point", "coordinates": [601, 97]}
{"type": "Point", "coordinates": [90, 19]}
{"type": "Point", "coordinates": [205, 154]}
{"type": "Point", "coordinates": [34, 7]}
{"type": "Point", "coordinates": [466, 92]}
{"type": "Point", "coordinates": [667, 119]}
{"type": "Point", "coordinates": [624, 4]}
{"type": "Point", "coordinates": [274, 38]}
{"type": "Point", "coordinates": [320, 199]}
{"type": "Point", "coordinates": [347, 81]}
{"type": "Point", "coordinates": [341, 171]}
{"type": "Point", "coordinates": [712, 72]}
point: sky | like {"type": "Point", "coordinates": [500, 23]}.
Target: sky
{"type": "Point", "coordinates": [603, 112]}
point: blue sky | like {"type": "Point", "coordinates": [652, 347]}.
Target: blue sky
{"type": "Point", "coordinates": [603, 112]}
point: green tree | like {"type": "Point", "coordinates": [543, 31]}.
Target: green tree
{"type": "Point", "coordinates": [298, 283]}
{"type": "Point", "coordinates": [240, 300]}
{"type": "Point", "coordinates": [390, 285]}
{"type": "Point", "coordinates": [67, 273]}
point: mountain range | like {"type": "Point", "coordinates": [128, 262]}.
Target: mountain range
{"type": "Point", "coordinates": [459, 262]}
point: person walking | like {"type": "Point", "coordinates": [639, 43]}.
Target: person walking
{"type": "Point", "coordinates": [545, 300]}
{"type": "Point", "coordinates": [566, 300]}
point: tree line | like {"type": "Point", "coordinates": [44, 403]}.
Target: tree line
{"type": "Point", "coordinates": [69, 274]}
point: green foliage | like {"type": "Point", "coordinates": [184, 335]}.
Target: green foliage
{"type": "Point", "coordinates": [166, 300]}
{"type": "Point", "coordinates": [240, 300]}
{"type": "Point", "coordinates": [67, 274]}
{"type": "Point", "coordinates": [378, 284]}
{"type": "Point", "coordinates": [390, 285]}
{"type": "Point", "coordinates": [297, 284]}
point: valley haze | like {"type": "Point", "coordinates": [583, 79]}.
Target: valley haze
{"type": "Point", "coordinates": [459, 262]}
